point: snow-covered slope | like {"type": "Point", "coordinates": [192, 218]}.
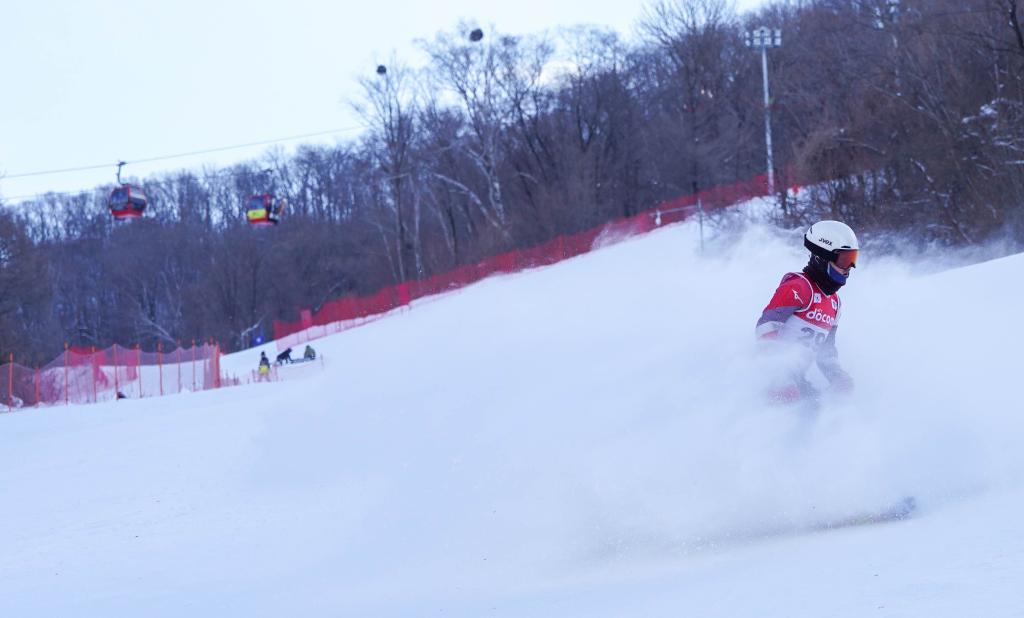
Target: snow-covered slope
{"type": "Point", "coordinates": [580, 440]}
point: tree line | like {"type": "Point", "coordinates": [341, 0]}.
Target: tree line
{"type": "Point", "coordinates": [905, 116]}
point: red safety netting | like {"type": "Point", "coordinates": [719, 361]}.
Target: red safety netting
{"type": "Point", "coordinates": [81, 375]}
{"type": "Point", "coordinates": [344, 313]}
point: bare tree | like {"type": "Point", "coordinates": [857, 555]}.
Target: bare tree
{"type": "Point", "coordinates": [696, 36]}
{"type": "Point", "coordinates": [471, 71]}
{"type": "Point", "coordinates": [390, 109]}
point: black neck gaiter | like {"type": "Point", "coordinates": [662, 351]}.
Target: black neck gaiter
{"type": "Point", "coordinates": [817, 271]}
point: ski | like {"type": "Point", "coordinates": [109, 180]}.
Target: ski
{"type": "Point", "coordinates": [898, 511]}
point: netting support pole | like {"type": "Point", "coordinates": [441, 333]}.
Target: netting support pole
{"type": "Point", "coordinates": [117, 386]}
{"type": "Point", "coordinates": [37, 387]}
{"type": "Point", "coordinates": [67, 386]}
{"type": "Point", "coordinates": [179, 365]}
{"type": "Point", "coordinates": [10, 382]}
{"type": "Point", "coordinates": [96, 368]}
{"type": "Point", "coordinates": [138, 366]}
{"type": "Point", "coordinates": [216, 351]}
{"type": "Point", "coordinates": [193, 365]}
{"type": "Point", "coordinates": [160, 364]}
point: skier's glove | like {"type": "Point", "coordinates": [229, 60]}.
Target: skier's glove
{"type": "Point", "coordinates": [841, 383]}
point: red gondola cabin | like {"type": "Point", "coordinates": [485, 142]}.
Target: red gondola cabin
{"type": "Point", "coordinates": [127, 202]}
{"type": "Point", "coordinates": [261, 210]}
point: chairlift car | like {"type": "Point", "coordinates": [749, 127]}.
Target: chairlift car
{"type": "Point", "coordinates": [126, 201]}
{"type": "Point", "coordinates": [263, 210]}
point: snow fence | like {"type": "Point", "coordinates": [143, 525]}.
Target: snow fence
{"type": "Point", "coordinates": [82, 375]}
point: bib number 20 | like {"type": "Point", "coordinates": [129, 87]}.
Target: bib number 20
{"type": "Point", "coordinates": [812, 338]}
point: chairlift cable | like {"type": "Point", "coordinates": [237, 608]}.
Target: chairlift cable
{"type": "Point", "coordinates": [180, 155]}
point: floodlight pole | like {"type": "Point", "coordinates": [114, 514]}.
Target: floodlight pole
{"type": "Point", "coordinates": [763, 38]}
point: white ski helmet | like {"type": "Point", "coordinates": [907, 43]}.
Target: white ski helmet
{"type": "Point", "coordinates": [826, 239]}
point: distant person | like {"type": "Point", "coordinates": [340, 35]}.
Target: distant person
{"type": "Point", "coordinates": [309, 354]}
{"type": "Point", "coordinates": [805, 308]}
{"type": "Point", "coordinates": [264, 368]}
{"type": "Point", "coordinates": [284, 357]}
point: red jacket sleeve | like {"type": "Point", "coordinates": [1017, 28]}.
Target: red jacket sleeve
{"type": "Point", "coordinates": [792, 295]}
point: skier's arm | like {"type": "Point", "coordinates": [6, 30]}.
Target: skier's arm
{"type": "Point", "coordinates": [828, 363]}
{"type": "Point", "coordinates": [792, 295]}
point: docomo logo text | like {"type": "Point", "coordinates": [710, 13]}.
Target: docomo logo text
{"type": "Point", "coordinates": [818, 316]}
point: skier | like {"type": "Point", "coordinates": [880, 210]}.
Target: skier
{"type": "Point", "coordinates": [284, 357]}
{"type": "Point", "coordinates": [264, 368]}
{"type": "Point", "coordinates": [805, 308]}
{"type": "Point", "coordinates": [309, 354]}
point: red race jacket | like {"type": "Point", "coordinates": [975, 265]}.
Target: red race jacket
{"type": "Point", "coordinates": [800, 313]}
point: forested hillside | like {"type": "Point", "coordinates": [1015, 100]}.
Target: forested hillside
{"type": "Point", "coordinates": [905, 115]}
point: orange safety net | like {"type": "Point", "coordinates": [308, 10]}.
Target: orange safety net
{"type": "Point", "coordinates": [82, 375]}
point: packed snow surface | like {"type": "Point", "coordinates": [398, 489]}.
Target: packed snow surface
{"type": "Point", "coordinates": [586, 439]}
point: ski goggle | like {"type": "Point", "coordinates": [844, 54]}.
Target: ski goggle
{"type": "Point", "coordinates": [846, 258]}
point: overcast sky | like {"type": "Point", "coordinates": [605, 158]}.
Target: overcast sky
{"type": "Point", "coordinates": [91, 82]}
